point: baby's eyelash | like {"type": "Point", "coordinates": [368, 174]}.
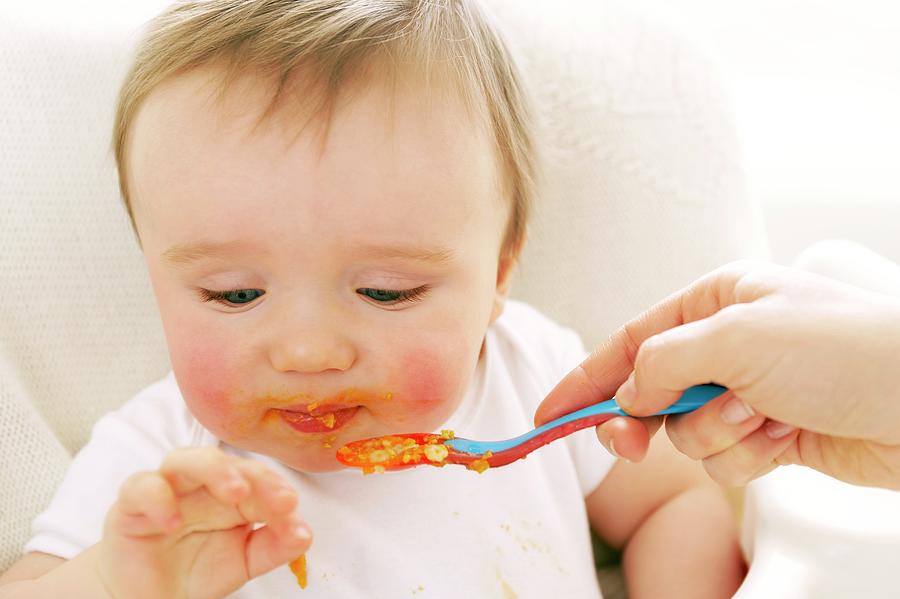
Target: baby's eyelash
{"type": "Point", "coordinates": [392, 297]}
{"type": "Point", "coordinates": [230, 297]}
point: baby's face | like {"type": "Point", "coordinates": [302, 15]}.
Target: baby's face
{"type": "Point", "coordinates": [313, 295]}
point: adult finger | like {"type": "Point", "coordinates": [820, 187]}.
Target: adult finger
{"type": "Point", "coordinates": [755, 454]}
{"type": "Point", "coordinates": [714, 427]}
{"type": "Point", "coordinates": [710, 350]}
{"type": "Point", "coordinates": [628, 438]}
{"type": "Point", "coordinates": [598, 376]}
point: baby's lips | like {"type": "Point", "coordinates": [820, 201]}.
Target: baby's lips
{"type": "Point", "coordinates": [331, 420]}
{"type": "Point", "coordinates": [318, 409]}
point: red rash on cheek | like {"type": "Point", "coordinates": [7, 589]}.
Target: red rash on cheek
{"type": "Point", "coordinates": [203, 374]}
{"type": "Point", "coordinates": [425, 381]}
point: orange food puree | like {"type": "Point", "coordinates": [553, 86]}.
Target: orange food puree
{"type": "Point", "coordinates": [298, 567]}
{"type": "Point", "coordinates": [481, 464]}
{"type": "Point", "coordinates": [396, 451]}
{"type": "Point", "coordinates": [327, 419]}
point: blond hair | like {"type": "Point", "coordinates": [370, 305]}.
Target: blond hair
{"type": "Point", "coordinates": [332, 40]}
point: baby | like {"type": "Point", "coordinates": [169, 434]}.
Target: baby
{"type": "Point", "coordinates": [331, 196]}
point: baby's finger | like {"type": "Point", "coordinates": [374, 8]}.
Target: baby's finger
{"type": "Point", "coordinates": [146, 506]}
{"type": "Point", "coordinates": [628, 438]}
{"type": "Point", "coordinates": [189, 469]}
{"type": "Point", "coordinates": [741, 463]}
{"type": "Point", "coordinates": [272, 496]}
{"type": "Point", "coordinates": [714, 427]}
{"type": "Point", "coordinates": [275, 544]}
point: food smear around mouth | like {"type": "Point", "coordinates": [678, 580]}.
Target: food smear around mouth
{"type": "Point", "coordinates": [298, 567]}
{"type": "Point", "coordinates": [309, 423]}
{"type": "Point", "coordinates": [396, 452]}
{"type": "Point", "coordinates": [313, 414]}
{"type": "Point", "coordinates": [327, 419]}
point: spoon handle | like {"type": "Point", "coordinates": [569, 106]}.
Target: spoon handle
{"type": "Point", "coordinates": [592, 415]}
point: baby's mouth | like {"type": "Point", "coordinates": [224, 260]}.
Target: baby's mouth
{"type": "Point", "coordinates": [318, 419]}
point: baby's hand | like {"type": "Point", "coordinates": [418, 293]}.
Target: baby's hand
{"type": "Point", "coordinates": [187, 529]}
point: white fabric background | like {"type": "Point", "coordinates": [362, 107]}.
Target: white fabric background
{"type": "Point", "coordinates": [643, 192]}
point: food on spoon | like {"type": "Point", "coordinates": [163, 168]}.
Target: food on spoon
{"type": "Point", "coordinates": [481, 464]}
{"type": "Point", "coordinates": [393, 451]}
{"type": "Point", "coordinates": [396, 452]}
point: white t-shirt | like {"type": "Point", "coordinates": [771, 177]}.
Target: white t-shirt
{"type": "Point", "coordinates": [518, 531]}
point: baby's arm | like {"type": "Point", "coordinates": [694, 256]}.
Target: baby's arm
{"type": "Point", "coordinates": [677, 530]}
{"type": "Point", "coordinates": [185, 530]}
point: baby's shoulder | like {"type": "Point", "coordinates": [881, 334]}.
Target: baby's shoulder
{"type": "Point", "coordinates": [157, 413]}
{"type": "Point", "coordinates": [526, 327]}
{"type": "Point", "coordinates": [528, 339]}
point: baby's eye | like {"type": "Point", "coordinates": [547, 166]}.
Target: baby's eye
{"type": "Point", "coordinates": [234, 297]}
{"type": "Point", "coordinates": [391, 297]}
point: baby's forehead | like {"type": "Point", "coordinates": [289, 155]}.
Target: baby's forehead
{"type": "Point", "coordinates": [393, 147]}
{"type": "Point", "coordinates": [445, 53]}
{"type": "Point", "coordinates": [206, 101]}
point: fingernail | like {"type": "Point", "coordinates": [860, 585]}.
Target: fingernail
{"type": "Point", "coordinates": [736, 411]}
{"type": "Point", "coordinates": [612, 450]}
{"type": "Point", "coordinates": [777, 430]}
{"type": "Point", "coordinates": [605, 440]}
{"type": "Point", "coordinates": [626, 394]}
{"type": "Point", "coordinates": [284, 499]}
{"type": "Point", "coordinates": [285, 490]}
{"type": "Point", "coordinates": [302, 533]}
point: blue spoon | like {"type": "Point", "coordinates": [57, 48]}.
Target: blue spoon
{"type": "Point", "coordinates": [396, 452]}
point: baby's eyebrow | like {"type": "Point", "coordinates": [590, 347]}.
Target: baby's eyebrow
{"type": "Point", "coordinates": [434, 255]}
{"type": "Point", "coordinates": [183, 254]}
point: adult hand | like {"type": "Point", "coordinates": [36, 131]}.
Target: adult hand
{"type": "Point", "coordinates": [813, 368]}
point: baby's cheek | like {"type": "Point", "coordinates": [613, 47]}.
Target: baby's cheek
{"type": "Point", "coordinates": [203, 376]}
{"type": "Point", "coordinates": [430, 384]}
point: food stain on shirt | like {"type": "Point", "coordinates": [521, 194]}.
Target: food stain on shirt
{"type": "Point", "coordinates": [507, 591]}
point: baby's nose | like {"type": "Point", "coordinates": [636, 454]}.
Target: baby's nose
{"type": "Point", "coordinates": [315, 346]}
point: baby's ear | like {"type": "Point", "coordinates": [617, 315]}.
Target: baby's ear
{"type": "Point", "coordinates": [509, 259]}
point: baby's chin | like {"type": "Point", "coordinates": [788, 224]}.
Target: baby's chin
{"type": "Point", "coordinates": [312, 458]}
{"type": "Point", "coordinates": [312, 464]}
